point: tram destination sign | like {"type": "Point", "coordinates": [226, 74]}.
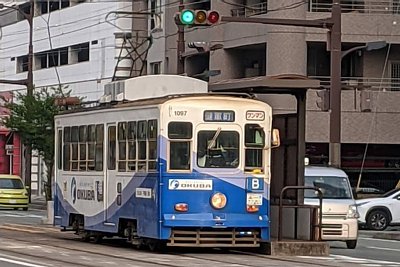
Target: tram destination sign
{"type": "Point", "coordinates": [219, 115]}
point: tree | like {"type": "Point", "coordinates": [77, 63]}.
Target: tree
{"type": "Point", "coordinates": [32, 117]}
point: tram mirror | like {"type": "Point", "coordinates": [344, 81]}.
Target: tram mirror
{"type": "Point", "coordinates": [275, 138]}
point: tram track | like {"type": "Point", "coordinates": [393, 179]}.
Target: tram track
{"type": "Point", "coordinates": [56, 240]}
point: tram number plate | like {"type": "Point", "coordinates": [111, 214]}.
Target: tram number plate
{"type": "Point", "coordinates": [254, 199]}
{"type": "Point", "coordinates": [12, 201]}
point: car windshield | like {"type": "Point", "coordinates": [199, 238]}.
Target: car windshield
{"type": "Point", "coordinates": [331, 187]}
{"type": "Point", "coordinates": [11, 183]}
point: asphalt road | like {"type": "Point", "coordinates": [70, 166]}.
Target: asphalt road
{"type": "Point", "coordinates": [37, 240]}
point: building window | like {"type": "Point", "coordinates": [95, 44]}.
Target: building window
{"type": "Point", "coordinates": [59, 57]}
{"type": "Point", "coordinates": [47, 6]}
{"type": "Point", "coordinates": [155, 10]}
{"type": "Point", "coordinates": [155, 68]}
{"type": "Point", "coordinates": [80, 53]}
{"type": "Point", "coordinates": [22, 64]}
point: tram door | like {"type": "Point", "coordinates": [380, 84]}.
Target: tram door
{"type": "Point", "coordinates": [111, 189]}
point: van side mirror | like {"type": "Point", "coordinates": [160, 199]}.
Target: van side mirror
{"type": "Point", "coordinates": [275, 138]}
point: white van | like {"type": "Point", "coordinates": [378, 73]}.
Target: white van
{"type": "Point", "coordinates": [339, 211]}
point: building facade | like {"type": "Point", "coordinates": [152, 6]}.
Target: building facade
{"type": "Point", "coordinates": [370, 132]}
{"type": "Point", "coordinates": [76, 43]}
{"type": "Point", "coordinates": [84, 44]}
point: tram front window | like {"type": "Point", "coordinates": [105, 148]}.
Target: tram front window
{"type": "Point", "coordinates": [218, 149]}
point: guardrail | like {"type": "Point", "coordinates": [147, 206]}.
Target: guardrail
{"type": "Point", "coordinates": [366, 6]}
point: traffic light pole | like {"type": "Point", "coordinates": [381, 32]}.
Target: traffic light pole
{"type": "Point", "coordinates": [333, 24]}
{"type": "Point", "coordinates": [180, 67]}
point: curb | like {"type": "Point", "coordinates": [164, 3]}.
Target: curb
{"type": "Point", "coordinates": [389, 235]}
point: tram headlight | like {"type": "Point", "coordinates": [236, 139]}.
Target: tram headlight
{"type": "Point", "coordinates": [218, 200]}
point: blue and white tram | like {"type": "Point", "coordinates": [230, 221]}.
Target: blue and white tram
{"type": "Point", "coordinates": [185, 170]}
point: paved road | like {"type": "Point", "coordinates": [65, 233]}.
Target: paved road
{"type": "Point", "coordinates": [37, 240]}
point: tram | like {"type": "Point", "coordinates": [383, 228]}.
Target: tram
{"type": "Point", "coordinates": [162, 161]}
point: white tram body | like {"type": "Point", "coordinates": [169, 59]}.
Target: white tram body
{"type": "Point", "coordinates": [187, 169]}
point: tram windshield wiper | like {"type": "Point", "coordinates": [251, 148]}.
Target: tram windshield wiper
{"type": "Point", "coordinates": [212, 142]}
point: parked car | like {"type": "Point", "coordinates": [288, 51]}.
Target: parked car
{"type": "Point", "coordinates": [339, 211]}
{"type": "Point", "coordinates": [13, 193]}
{"type": "Point", "coordinates": [380, 212]}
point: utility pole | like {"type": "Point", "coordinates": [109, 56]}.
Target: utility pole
{"type": "Point", "coordinates": [336, 87]}
{"type": "Point", "coordinates": [180, 67]}
{"type": "Point", "coordinates": [28, 82]}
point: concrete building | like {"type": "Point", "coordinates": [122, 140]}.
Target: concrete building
{"type": "Point", "coordinates": [76, 43]}
{"type": "Point", "coordinates": [370, 79]}
{"type": "Point", "coordinates": [85, 43]}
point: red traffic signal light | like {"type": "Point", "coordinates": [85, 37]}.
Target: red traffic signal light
{"type": "Point", "coordinates": [197, 17]}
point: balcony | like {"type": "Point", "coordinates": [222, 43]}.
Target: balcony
{"type": "Point", "coordinates": [371, 83]}
{"type": "Point", "coordinates": [367, 6]}
{"type": "Point", "coordinates": [250, 10]}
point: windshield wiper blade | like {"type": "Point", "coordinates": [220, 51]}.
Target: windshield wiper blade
{"type": "Point", "coordinates": [211, 144]}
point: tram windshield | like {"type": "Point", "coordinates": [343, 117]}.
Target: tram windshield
{"type": "Point", "coordinates": [218, 149]}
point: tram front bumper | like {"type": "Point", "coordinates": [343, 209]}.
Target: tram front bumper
{"type": "Point", "coordinates": [217, 220]}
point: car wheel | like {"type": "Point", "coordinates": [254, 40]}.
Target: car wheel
{"type": "Point", "coordinates": [25, 209]}
{"type": "Point", "coordinates": [378, 220]}
{"type": "Point", "coordinates": [351, 244]}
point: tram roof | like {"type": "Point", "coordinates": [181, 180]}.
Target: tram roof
{"type": "Point", "coordinates": [95, 105]}
{"type": "Point", "coordinates": [279, 84]}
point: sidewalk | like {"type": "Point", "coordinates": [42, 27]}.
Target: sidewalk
{"type": "Point", "coordinates": [38, 202]}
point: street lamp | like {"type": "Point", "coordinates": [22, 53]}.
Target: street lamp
{"type": "Point", "coordinates": [28, 82]}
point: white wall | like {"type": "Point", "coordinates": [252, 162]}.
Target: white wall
{"type": "Point", "coordinates": [73, 25]}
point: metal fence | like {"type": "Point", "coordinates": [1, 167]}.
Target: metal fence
{"type": "Point", "coordinates": [366, 6]}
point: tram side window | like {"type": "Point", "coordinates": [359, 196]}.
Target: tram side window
{"type": "Point", "coordinates": [152, 139]}
{"type": "Point", "coordinates": [111, 159]}
{"type": "Point", "coordinates": [142, 146]}
{"type": "Point", "coordinates": [74, 148]}
{"type": "Point", "coordinates": [59, 149]}
{"type": "Point", "coordinates": [91, 146]}
{"type": "Point", "coordinates": [67, 148]}
{"type": "Point", "coordinates": [180, 135]}
{"type": "Point", "coordinates": [82, 147]}
{"type": "Point", "coordinates": [132, 133]}
{"type": "Point", "coordinates": [99, 147]}
{"type": "Point", "coordinates": [122, 146]}
{"type": "Point", "coordinates": [254, 146]}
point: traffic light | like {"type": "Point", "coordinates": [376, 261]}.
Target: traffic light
{"type": "Point", "coordinates": [323, 101]}
{"type": "Point", "coordinates": [200, 17]}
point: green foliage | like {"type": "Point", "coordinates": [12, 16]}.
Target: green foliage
{"type": "Point", "coordinates": [32, 117]}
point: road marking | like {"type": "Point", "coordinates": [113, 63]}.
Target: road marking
{"type": "Point", "coordinates": [391, 249]}
{"type": "Point", "coordinates": [20, 262]}
{"type": "Point", "coordinates": [367, 261]}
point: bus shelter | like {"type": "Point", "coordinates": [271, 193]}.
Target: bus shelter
{"type": "Point", "coordinates": [287, 162]}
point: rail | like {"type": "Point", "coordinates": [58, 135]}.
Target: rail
{"type": "Point", "coordinates": [313, 224]}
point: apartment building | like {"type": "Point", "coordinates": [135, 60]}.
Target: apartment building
{"type": "Point", "coordinates": [370, 78]}
{"type": "Point", "coordinates": [76, 43]}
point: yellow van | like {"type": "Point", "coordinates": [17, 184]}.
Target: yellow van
{"type": "Point", "coordinates": [13, 193]}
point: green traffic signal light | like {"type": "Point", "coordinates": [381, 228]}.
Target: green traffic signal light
{"type": "Point", "coordinates": [187, 17]}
